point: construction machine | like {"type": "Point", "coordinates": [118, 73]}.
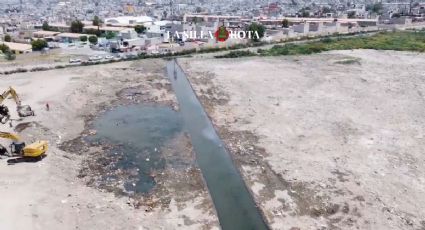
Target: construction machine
{"type": "Point", "coordinates": [23, 110]}
{"type": "Point", "coordinates": [36, 150]}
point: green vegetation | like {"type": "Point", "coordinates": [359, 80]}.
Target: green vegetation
{"type": "Point", "coordinates": [237, 53]}
{"type": "Point", "coordinates": [258, 28]}
{"type": "Point", "coordinates": [4, 48]}
{"type": "Point", "coordinates": [351, 14]}
{"type": "Point", "coordinates": [45, 26]}
{"type": "Point", "coordinates": [93, 40]}
{"type": "Point", "coordinates": [304, 12]}
{"type": "Point", "coordinates": [376, 7]}
{"type": "Point", "coordinates": [110, 35]}
{"type": "Point", "coordinates": [140, 29]}
{"type": "Point", "coordinates": [77, 26]}
{"type": "Point", "coordinates": [38, 44]}
{"type": "Point", "coordinates": [83, 38]}
{"type": "Point", "coordinates": [285, 23]}
{"type": "Point", "coordinates": [326, 10]}
{"type": "Point", "coordinates": [400, 41]}
{"type": "Point", "coordinates": [10, 56]}
{"type": "Point", "coordinates": [97, 21]}
{"type": "Point", "coordinates": [7, 38]}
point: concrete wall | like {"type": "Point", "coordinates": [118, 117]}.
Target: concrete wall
{"type": "Point", "coordinates": [301, 28]}
{"type": "Point", "coordinates": [401, 21]}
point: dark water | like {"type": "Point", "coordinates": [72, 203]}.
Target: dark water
{"type": "Point", "coordinates": [233, 202]}
{"type": "Point", "coordinates": [138, 132]}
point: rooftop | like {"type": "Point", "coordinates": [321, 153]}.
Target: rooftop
{"type": "Point", "coordinates": [45, 33]}
{"type": "Point", "coordinates": [129, 20]}
{"type": "Point", "coordinates": [106, 28]}
{"type": "Point", "coordinates": [73, 35]}
{"type": "Point", "coordinates": [18, 46]}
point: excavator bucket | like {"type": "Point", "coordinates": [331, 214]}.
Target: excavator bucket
{"type": "Point", "coordinates": [25, 111]}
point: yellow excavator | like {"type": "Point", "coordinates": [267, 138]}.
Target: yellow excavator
{"type": "Point", "coordinates": [23, 110]}
{"type": "Point", "coordinates": [34, 151]}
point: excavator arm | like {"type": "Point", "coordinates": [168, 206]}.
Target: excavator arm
{"type": "Point", "coordinates": [15, 96]}
{"type": "Point", "coordinates": [10, 136]}
{"type": "Point", "coordinates": [23, 110]}
{"type": "Point", "coordinates": [11, 91]}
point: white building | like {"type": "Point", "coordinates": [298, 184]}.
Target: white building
{"type": "Point", "coordinates": [129, 20]}
{"type": "Point", "coordinates": [128, 34]}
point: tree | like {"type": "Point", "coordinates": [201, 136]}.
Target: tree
{"type": "Point", "coordinates": [395, 15]}
{"type": "Point", "coordinates": [351, 14]}
{"type": "Point", "coordinates": [7, 38]}
{"type": "Point", "coordinates": [83, 38]}
{"type": "Point", "coordinates": [93, 40]}
{"type": "Point", "coordinates": [10, 56]}
{"type": "Point", "coordinates": [38, 44]}
{"type": "Point", "coordinates": [45, 26]}
{"type": "Point", "coordinates": [77, 26]}
{"type": "Point", "coordinates": [4, 48]}
{"type": "Point", "coordinates": [257, 29]}
{"type": "Point", "coordinates": [304, 12]}
{"type": "Point", "coordinates": [140, 29]}
{"type": "Point", "coordinates": [285, 23]}
{"type": "Point", "coordinates": [110, 35]}
{"type": "Point", "coordinates": [97, 21]}
{"type": "Point", "coordinates": [326, 10]}
{"type": "Point", "coordinates": [375, 8]}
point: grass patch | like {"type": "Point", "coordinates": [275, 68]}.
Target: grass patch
{"type": "Point", "coordinates": [400, 41]}
{"type": "Point", "coordinates": [237, 54]}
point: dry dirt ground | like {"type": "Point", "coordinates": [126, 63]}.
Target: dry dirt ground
{"type": "Point", "coordinates": [328, 141]}
{"type": "Point", "coordinates": [52, 194]}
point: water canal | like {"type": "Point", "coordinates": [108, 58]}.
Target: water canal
{"type": "Point", "coordinates": [235, 206]}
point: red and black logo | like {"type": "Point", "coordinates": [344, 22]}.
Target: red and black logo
{"type": "Point", "coordinates": [222, 34]}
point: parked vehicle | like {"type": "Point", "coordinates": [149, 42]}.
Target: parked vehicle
{"type": "Point", "coordinates": [74, 60]}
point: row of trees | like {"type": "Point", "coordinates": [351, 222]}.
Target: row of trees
{"type": "Point", "coordinates": [91, 39]}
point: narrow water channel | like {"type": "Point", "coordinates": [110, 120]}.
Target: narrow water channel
{"type": "Point", "coordinates": [235, 206]}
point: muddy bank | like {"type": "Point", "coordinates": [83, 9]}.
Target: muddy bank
{"type": "Point", "coordinates": [317, 139]}
{"type": "Point", "coordinates": [160, 177]}
{"type": "Point", "coordinates": [78, 97]}
{"type": "Point", "coordinates": [249, 156]}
